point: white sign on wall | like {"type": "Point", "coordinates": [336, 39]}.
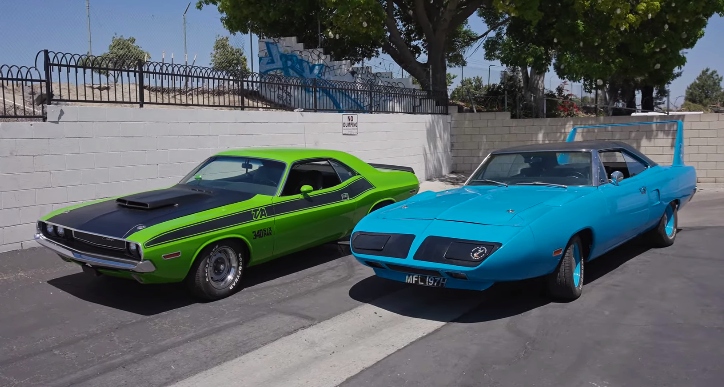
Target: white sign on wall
{"type": "Point", "coordinates": [350, 124]}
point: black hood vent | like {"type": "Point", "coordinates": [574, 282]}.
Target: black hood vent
{"type": "Point", "coordinates": [160, 199]}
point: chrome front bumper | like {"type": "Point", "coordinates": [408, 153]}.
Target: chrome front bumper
{"type": "Point", "coordinates": [95, 260]}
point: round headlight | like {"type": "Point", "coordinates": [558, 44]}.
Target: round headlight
{"type": "Point", "coordinates": [133, 247]}
{"type": "Point", "coordinates": [61, 231]}
{"type": "Point", "coordinates": [50, 229]}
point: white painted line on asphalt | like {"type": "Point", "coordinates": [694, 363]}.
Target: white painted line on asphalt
{"type": "Point", "coordinates": [330, 352]}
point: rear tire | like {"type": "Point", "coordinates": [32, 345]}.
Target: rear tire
{"type": "Point", "coordinates": [566, 282]}
{"type": "Point", "coordinates": [664, 234]}
{"type": "Point", "coordinates": [217, 271]}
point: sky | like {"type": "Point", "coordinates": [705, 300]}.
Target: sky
{"type": "Point", "coordinates": [28, 26]}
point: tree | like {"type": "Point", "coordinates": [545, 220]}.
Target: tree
{"type": "Point", "coordinates": [644, 55]}
{"type": "Point", "coordinates": [122, 54]}
{"type": "Point", "coordinates": [450, 78]}
{"type": "Point", "coordinates": [469, 88]}
{"type": "Point", "coordinates": [625, 46]}
{"type": "Point", "coordinates": [229, 59]}
{"type": "Point", "coordinates": [706, 89]}
{"type": "Point", "coordinates": [357, 29]}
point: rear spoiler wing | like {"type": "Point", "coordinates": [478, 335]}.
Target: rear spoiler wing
{"type": "Point", "coordinates": [393, 167]}
{"type": "Point", "coordinates": [678, 144]}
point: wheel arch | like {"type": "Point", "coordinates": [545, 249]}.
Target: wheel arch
{"type": "Point", "coordinates": [233, 237]}
{"type": "Point", "coordinates": [587, 239]}
{"type": "Point", "coordinates": [381, 203]}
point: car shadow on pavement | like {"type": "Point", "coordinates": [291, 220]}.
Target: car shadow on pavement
{"type": "Point", "coordinates": [502, 300]}
{"type": "Point", "coordinates": [152, 299]}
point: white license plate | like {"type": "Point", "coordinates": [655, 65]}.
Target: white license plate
{"type": "Point", "coordinates": [424, 280]}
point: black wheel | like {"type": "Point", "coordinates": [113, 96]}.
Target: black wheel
{"type": "Point", "coordinates": [665, 233]}
{"type": "Point", "coordinates": [217, 271]}
{"type": "Point", "coordinates": [566, 282]}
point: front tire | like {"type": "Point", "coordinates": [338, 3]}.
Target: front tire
{"type": "Point", "coordinates": [665, 233]}
{"type": "Point", "coordinates": [217, 271]}
{"type": "Point", "coordinates": [566, 282]}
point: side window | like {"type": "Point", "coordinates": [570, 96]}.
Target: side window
{"type": "Point", "coordinates": [634, 165]}
{"type": "Point", "coordinates": [614, 161]}
{"type": "Point", "coordinates": [317, 173]}
{"type": "Point", "coordinates": [618, 160]}
{"type": "Point", "coordinates": [344, 172]}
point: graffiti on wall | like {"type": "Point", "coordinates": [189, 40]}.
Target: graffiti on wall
{"type": "Point", "coordinates": [321, 82]}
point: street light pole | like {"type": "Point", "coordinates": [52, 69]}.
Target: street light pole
{"type": "Point", "coordinates": [186, 55]}
{"type": "Point", "coordinates": [87, 11]}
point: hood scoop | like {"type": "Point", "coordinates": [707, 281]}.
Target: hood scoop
{"type": "Point", "coordinates": [159, 199]}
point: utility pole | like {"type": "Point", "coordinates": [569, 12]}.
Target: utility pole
{"type": "Point", "coordinates": [186, 55]}
{"type": "Point", "coordinates": [251, 51]}
{"type": "Point", "coordinates": [87, 11]}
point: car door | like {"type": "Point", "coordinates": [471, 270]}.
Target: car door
{"type": "Point", "coordinates": [303, 220]}
{"type": "Point", "coordinates": [627, 201]}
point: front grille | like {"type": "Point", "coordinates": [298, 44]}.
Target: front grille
{"type": "Point", "coordinates": [100, 241]}
{"type": "Point", "coordinates": [92, 244]}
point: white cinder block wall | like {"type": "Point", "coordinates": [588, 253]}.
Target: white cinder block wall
{"type": "Point", "coordinates": [84, 153]}
{"type": "Point", "coordinates": [474, 135]}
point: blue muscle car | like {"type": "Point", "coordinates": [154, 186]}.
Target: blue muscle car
{"type": "Point", "coordinates": [528, 211]}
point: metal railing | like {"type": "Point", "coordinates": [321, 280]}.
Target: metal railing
{"type": "Point", "coordinates": [87, 79]}
{"type": "Point", "coordinates": [22, 93]}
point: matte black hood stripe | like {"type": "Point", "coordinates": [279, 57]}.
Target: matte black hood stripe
{"type": "Point", "coordinates": [353, 190]}
{"type": "Point", "coordinates": [114, 220]}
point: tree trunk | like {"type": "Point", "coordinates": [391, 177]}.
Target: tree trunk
{"type": "Point", "coordinates": [647, 98]}
{"type": "Point", "coordinates": [536, 85]}
{"type": "Point", "coordinates": [630, 98]}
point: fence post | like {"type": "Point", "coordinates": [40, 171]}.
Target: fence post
{"type": "Point", "coordinates": [48, 78]}
{"type": "Point", "coordinates": [369, 84]}
{"type": "Point", "coordinates": [140, 85]}
{"type": "Point", "coordinates": [314, 93]}
{"type": "Point", "coordinates": [242, 88]}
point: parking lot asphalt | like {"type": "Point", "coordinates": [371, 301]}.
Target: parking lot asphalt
{"type": "Point", "coordinates": [647, 317]}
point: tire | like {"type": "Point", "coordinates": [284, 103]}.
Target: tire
{"type": "Point", "coordinates": [664, 234]}
{"type": "Point", "coordinates": [566, 282]}
{"type": "Point", "coordinates": [218, 270]}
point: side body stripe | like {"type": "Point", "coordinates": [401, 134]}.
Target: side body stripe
{"type": "Point", "coordinates": [351, 191]}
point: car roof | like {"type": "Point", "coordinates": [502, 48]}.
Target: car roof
{"type": "Point", "coordinates": [285, 154]}
{"type": "Point", "coordinates": [585, 145]}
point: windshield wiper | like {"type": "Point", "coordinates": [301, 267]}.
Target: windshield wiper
{"type": "Point", "coordinates": [488, 181]}
{"type": "Point", "coordinates": [542, 183]}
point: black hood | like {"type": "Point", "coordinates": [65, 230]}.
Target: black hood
{"type": "Point", "coordinates": [126, 215]}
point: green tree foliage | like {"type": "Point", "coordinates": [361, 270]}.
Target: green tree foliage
{"type": "Point", "coordinates": [644, 55]}
{"type": "Point", "coordinates": [622, 44]}
{"type": "Point", "coordinates": [706, 89]}
{"type": "Point", "coordinates": [450, 79]}
{"type": "Point", "coordinates": [469, 88]}
{"type": "Point", "coordinates": [123, 53]}
{"type": "Point", "coordinates": [227, 58]}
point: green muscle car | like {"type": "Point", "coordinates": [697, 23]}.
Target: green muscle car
{"type": "Point", "coordinates": [237, 209]}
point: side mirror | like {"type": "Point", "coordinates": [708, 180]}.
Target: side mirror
{"type": "Point", "coordinates": [616, 177]}
{"type": "Point", "coordinates": [306, 188]}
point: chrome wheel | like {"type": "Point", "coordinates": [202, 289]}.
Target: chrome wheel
{"type": "Point", "coordinates": [222, 267]}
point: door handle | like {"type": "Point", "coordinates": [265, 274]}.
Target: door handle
{"type": "Point", "coordinates": [643, 190]}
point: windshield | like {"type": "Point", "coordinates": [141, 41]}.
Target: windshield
{"type": "Point", "coordinates": [241, 174]}
{"type": "Point", "coordinates": [547, 167]}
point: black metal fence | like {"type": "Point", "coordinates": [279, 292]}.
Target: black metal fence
{"type": "Point", "coordinates": [81, 79]}
{"type": "Point", "coordinates": [22, 93]}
